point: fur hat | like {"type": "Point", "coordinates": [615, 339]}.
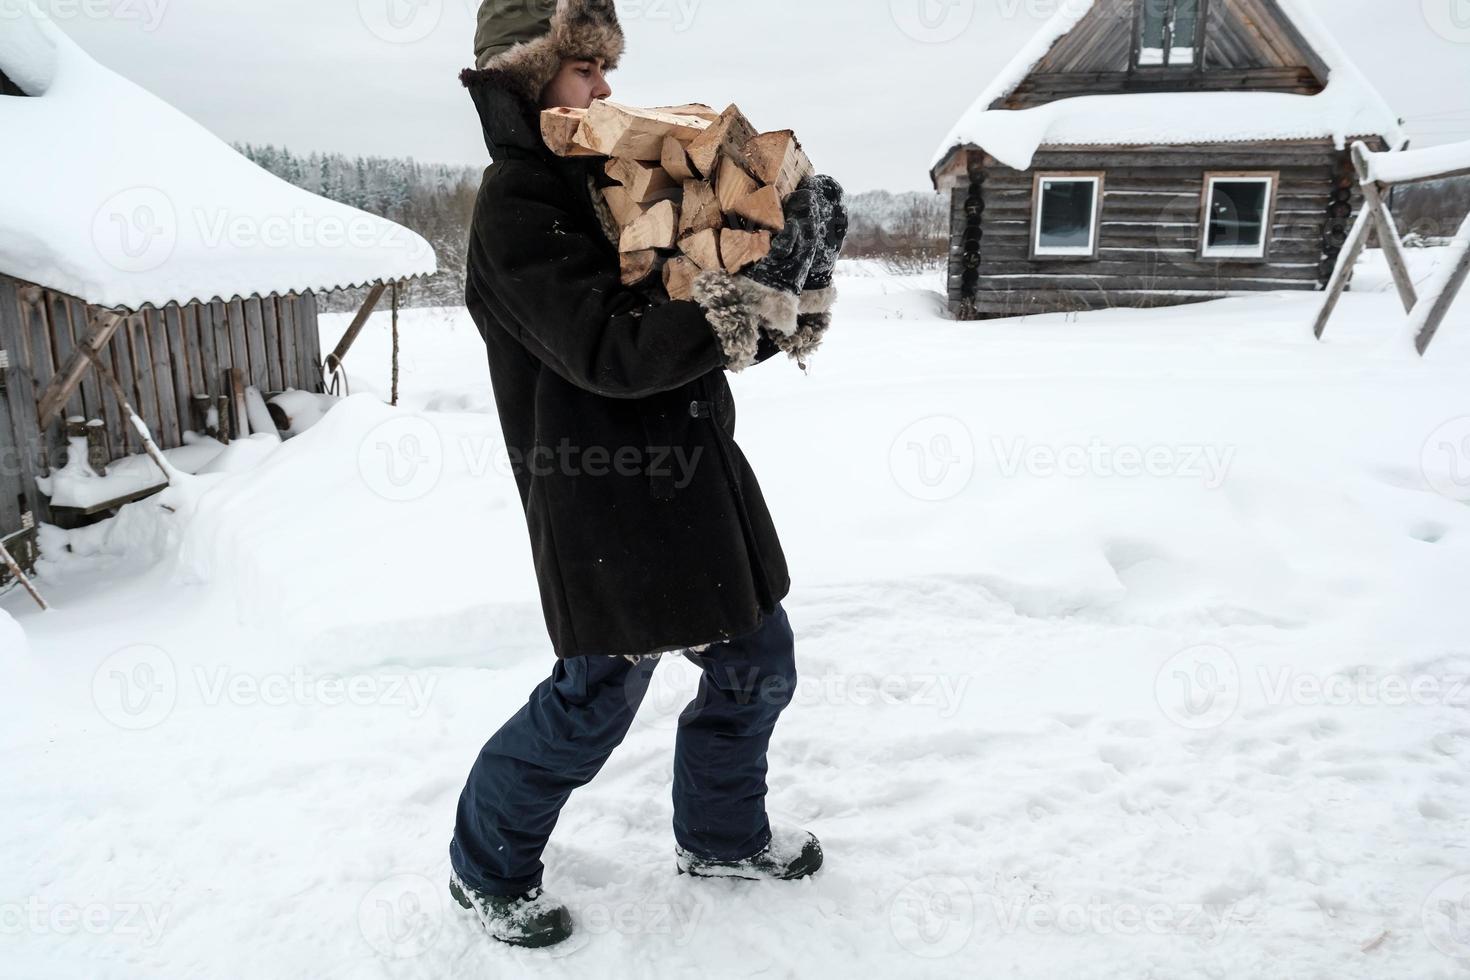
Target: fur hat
{"type": "Point", "coordinates": [527, 40]}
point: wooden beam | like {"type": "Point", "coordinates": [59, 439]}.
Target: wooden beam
{"type": "Point", "coordinates": [1445, 298]}
{"type": "Point", "coordinates": [104, 324]}
{"type": "Point", "coordinates": [20, 576]}
{"type": "Point", "coordinates": [334, 359]}
{"type": "Point", "coordinates": [122, 399]}
{"type": "Point", "coordinates": [1388, 232]}
{"type": "Point", "coordinates": [1347, 260]}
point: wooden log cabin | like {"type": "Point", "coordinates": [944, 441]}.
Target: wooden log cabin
{"type": "Point", "coordinates": [129, 231]}
{"type": "Point", "coordinates": [1155, 152]}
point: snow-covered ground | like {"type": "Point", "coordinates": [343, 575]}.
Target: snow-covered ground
{"type": "Point", "coordinates": [1133, 645]}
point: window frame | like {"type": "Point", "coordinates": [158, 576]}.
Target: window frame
{"type": "Point", "coordinates": [1097, 178]}
{"type": "Point", "coordinates": [1272, 180]}
{"type": "Point", "coordinates": [1198, 45]}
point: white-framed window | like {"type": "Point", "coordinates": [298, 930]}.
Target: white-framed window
{"type": "Point", "coordinates": [1237, 215]}
{"type": "Point", "coordinates": [1065, 218]}
{"type": "Point", "coordinates": [1168, 33]}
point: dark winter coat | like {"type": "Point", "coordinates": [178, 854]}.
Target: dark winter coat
{"type": "Point", "coordinates": [648, 528]}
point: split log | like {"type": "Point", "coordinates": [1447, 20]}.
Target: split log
{"type": "Point", "coordinates": [679, 276]}
{"type": "Point", "coordinates": [739, 249]}
{"type": "Point", "coordinates": [690, 109]}
{"type": "Point", "coordinates": [616, 130]}
{"type": "Point", "coordinates": [700, 209]}
{"type": "Point", "coordinates": [559, 130]}
{"type": "Point", "coordinates": [733, 184]}
{"type": "Point", "coordinates": [703, 248]}
{"type": "Point", "coordinates": [622, 205]}
{"type": "Point", "coordinates": [676, 160]}
{"type": "Point", "coordinates": [642, 180]}
{"type": "Point", "coordinates": [655, 228]}
{"type": "Point", "coordinates": [639, 265]}
{"type": "Point", "coordinates": [778, 160]}
{"type": "Point", "coordinates": [762, 207]}
{"type": "Point", "coordinates": [727, 138]}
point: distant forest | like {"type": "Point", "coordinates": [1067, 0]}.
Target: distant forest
{"type": "Point", "coordinates": [435, 200]}
{"type": "Point", "coordinates": [905, 231]}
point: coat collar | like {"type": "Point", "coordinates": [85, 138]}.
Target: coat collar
{"type": "Point", "coordinates": [509, 121]}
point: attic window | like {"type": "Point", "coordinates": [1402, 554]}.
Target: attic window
{"type": "Point", "coordinates": [1168, 33]}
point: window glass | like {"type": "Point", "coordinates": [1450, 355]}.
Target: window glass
{"type": "Point", "coordinates": [1238, 212]}
{"type": "Point", "coordinates": [1168, 32]}
{"type": "Point", "coordinates": [1065, 222]}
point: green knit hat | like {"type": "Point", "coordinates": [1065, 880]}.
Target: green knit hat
{"type": "Point", "coordinates": [528, 39]}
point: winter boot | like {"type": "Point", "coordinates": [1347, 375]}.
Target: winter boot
{"type": "Point", "coordinates": [791, 853]}
{"type": "Point", "coordinates": [528, 919]}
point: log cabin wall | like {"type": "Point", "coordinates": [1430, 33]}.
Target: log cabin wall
{"type": "Point", "coordinates": [1150, 228]}
{"type": "Point", "coordinates": [162, 359]}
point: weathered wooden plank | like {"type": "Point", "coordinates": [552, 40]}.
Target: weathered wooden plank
{"type": "Point", "coordinates": [1142, 282]}
{"type": "Point", "coordinates": [118, 355]}
{"type": "Point", "coordinates": [287, 339]}
{"type": "Point", "coordinates": [239, 339]}
{"type": "Point", "coordinates": [170, 423]}
{"type": "Point", "coordinates": [255, 339]}
{"type": "Point", "coordinates": [1347, 261]}
{"type": "Point", "coordinates": [286, 317]}
{"type": "Point", "coordinates": [308, 341]}
{"type": "Point", "coordinates": [270, 330]}
{"type": "Point", "coordinates": [63, 345]}
{"type": "Point", "coordinates": [225, 355]}
{"type": "Point", "coordinates": [208, 361]}
{"type": "Point", "coordinates": [142, 391]}
{"type": "Point", "coordinates": [180, 358]}
{"type": "Point", "coordinates": [21, 395]}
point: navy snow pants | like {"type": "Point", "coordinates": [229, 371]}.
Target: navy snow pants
{"type": "Point", "coordinates": [575, 718]}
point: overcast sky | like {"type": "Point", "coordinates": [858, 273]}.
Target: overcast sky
{"type": "Point", "coordinates": [871, 86]}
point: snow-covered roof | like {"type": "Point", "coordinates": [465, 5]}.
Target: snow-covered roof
{"type": "Point", "coordinates": [111, 195]}
{"type": "Point", "coordinates": [1349, 106]}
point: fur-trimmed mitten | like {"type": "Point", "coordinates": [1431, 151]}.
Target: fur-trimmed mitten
{"type": "Point", "coordinates": [818, 294]}
{"type": "Point", "coordinates": [765, 296]}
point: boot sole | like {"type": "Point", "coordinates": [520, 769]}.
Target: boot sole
{"type": "Point", "coordinates": [531, 942]}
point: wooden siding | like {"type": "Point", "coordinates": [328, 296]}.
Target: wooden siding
{"type": "Point", "coordinates": [163, 359]}
{"type": "Point", "coordinates": [1150, 228]}
{"type": "Point", "coordinates": [1250, 45]}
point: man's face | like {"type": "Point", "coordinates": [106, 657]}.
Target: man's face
{"type": "Point", "coordinates": [576, 85]}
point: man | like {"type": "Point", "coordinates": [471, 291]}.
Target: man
{"type": "Point", "coordinates": [648, 529]}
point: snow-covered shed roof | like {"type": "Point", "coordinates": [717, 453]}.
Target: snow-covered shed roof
{"type": "Point", "coordinates": [1349, 106]}
{"type": "Point", "coordinates": [113, 196]}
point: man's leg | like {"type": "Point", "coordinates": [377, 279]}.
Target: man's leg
{"type": "Point", "coordinates": [720, 749]}
{"type": "Point", "coordinates": [525, 773]}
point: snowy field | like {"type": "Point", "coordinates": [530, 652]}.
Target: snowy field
{"type": "Point", "coordinates": [1133, 645]}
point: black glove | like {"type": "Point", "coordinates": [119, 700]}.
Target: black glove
{"type": "Point", "coordinates": [794, 247]}
{"type": "Point", "coordinates": [831, 232]}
